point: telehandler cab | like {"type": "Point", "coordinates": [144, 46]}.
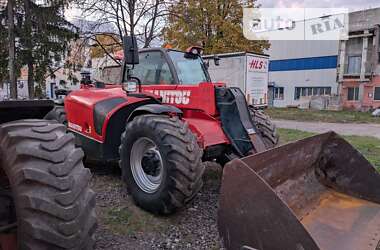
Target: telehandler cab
{"type": "Point", "coordinates": [166, 117]}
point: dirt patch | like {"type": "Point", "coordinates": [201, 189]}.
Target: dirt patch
{"type": "Point", "coordinates": [122, 225]}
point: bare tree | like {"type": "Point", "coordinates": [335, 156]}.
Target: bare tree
{"type": "Point", "coordinates": [12, 50]}
{"type": "Point", "coordinates": [144, 19]}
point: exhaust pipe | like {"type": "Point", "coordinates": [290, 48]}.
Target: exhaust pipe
{"type": "Point", "coordinates": [316, 193]}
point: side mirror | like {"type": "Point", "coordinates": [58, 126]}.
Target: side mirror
{"type": "Point", "coordinates": [131, 51]}
{"type": "Point", "coordinates": [216, 60]}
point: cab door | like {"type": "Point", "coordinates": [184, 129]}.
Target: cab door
{"type": "Point", "coordinates": [154, 69]}
{"type": "Point", "coordinates": [157, 77]}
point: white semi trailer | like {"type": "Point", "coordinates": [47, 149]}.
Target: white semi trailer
{"type": "Point", "coordinates": [248, 71]}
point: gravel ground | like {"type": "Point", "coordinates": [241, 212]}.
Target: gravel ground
{"type": "Point", "coordinates": [122, 225]}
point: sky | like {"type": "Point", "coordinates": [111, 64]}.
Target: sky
{"type": "Point", "coordinates": [352, 5]}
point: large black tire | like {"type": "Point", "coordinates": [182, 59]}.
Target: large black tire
{"type": "Point", "coordinates": [57, 114]}
{"type": "Point", "coordinates": [55, 208]}
{"type": "Point", "coordinates": [266, 128]}
{"type": "Point", "coordinates": [181, 160]}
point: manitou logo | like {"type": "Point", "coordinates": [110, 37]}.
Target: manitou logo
{"type": "Point", "coordinates": [173, 96]}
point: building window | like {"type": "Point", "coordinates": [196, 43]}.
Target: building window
{"type": "Point", "coordinates": [279, 93]}
{"type": "Point", "coordinates": [311, 91]}
{"type": "Point", "coordinates": [353, 94]}
{"type": "Point", "coordinates": [354, 64]}
{"type": "Point", "coordinates": [376, 95]}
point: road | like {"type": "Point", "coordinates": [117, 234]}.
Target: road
{"type": "Point", "coordinates": [362, 129]}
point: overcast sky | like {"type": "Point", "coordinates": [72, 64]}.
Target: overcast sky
{"type": "Point", "coordinates": [352, 5]}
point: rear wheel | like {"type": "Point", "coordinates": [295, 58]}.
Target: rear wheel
{"type": "Point", "coordinates": [161, 163]}
{"type": "Point", "coordinates": [266, 128]}
{"type": "Point", "coordinates": [57, 114]}
{"type": "Point", "coordinates": [45, 186]}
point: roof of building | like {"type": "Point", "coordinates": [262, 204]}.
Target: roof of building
{"type": "Point", "coordinates": [233, 54]}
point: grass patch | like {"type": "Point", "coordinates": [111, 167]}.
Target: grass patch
{"type": "Point", "coordinates": [321, 116]}
{"type": "Point", "coordinates": [132, 220]}
{"type": "Point", "coordinates": [289, 135]}
{"type": "Point", "coordinates": [368, 146]}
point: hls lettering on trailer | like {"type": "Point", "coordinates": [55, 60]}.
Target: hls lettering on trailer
{"type": "Point", "coordinates": [173, 96]}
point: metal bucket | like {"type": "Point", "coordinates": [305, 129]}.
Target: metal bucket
{"type": "Point", "coordinates": [316, 193]}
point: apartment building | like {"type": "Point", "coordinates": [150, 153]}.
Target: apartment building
{"type": "Point", "coordinates": [358, 70]}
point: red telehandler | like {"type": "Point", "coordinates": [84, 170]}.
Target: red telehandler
{"type": "Point", "coordinates": [166, 117]}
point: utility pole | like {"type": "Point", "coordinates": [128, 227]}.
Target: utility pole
{"type": "Point", "coordinates": [12, 52]}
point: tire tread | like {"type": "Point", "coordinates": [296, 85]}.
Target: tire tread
{"type": "Point", "coordinates": [50, 185]}
{"type": "Point", "coordinates": [265, 127]}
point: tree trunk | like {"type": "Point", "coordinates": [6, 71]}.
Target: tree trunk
{"type": "Point", "coordinates": [29, 47]}
{"type": "Point", "coordinates": [149, 38]}
{"type": "Point", "coordinates": [12, 52]}
{"type": "Point", "coordinates": [30, 79]}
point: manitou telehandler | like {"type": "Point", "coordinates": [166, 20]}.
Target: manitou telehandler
{"type": "Point", "coordinates": [166, 117]}
{"type": "Point", "coordinates": [45, 199]}
{"type": "Point", "coordinates": [161, 123]}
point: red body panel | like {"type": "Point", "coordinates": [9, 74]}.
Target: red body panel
{"type": "Point", "coordinates": [199, 109]}
{"type": "Point", "coordinates": [206, 128]}
{"type": "Point", "coordinates": [79, 106]}
{"type": "Point", "coordinates": [196, 101]}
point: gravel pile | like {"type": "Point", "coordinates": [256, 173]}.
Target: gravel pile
{"type": "Point", "coordinates": [192, 228]}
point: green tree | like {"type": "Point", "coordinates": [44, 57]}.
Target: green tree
{"type": "Point", "coordinates": [42, 36]}
{"type": "Point", "coordinates": [214, 24]}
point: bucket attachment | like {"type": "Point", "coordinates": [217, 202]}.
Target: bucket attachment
{"type": "Point", "coordinates": [316, 193]}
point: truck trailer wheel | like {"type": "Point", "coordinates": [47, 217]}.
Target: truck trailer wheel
{"type": "Point", "coordinates": [265, 127]}
{"type": "Point", "coordinates": [51, 202]}
{"type": "Point", "coordinates": [161, 163]}
{"type": "Point", "coordinates": [57, 114]}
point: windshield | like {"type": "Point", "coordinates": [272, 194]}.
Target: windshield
{"type": "Point", "coordinates": [189, 70]}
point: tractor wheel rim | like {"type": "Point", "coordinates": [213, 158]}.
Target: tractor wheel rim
{"type": "Point", "coordinates": [146, 165]}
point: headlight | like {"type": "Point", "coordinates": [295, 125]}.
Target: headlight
{"type": "Point", "coordinates": [195, 50]}
{"type": "Point", "coordinates": [130, 86]}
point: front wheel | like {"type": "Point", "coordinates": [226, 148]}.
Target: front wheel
{"type": "Point", "coordinates": [265, 128]}
{"type": "Point", "coordinates": [161, 163]}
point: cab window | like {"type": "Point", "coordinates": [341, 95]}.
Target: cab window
{"type": "Point", "coordinates": [153, 69]}
{"type": "Point", "coordinates": [189, 70]}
